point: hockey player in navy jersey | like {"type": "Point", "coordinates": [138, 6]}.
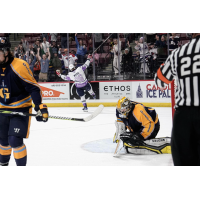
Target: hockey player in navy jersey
{"type": "Point", "coordinates": [137, 126]}
{"type": "Point", "coordinates": [18, 89]}
{"type": "Point", "coordinates": [81, 81]}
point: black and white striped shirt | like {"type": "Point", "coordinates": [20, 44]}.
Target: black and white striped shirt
{"type": "Point", "coordinates": [184, 65]}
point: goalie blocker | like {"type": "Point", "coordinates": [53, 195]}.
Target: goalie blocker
{"type": "Point", "coordinates": [137, 126]}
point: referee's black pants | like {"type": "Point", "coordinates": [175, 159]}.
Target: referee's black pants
{"type": "Point", "coordinates": [185, 141]}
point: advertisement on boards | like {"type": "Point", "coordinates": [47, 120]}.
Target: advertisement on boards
{"type": "Point", "coordinates": [55, 92]}
{"type": "Point", "coordinates": [114, 90]}
{"type": "Point", "coordinates": [148, 91]}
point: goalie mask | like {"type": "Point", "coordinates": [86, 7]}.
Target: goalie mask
{"type": "Point", "coordinates": [124, 106]}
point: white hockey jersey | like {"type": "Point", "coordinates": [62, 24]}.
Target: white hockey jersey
{"type": "Point", "coordinates": [72, 59]}
{"type": "Point", "coordinates": [78, 75]}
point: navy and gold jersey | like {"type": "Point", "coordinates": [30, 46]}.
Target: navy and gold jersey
{"type": "Point", "coordinates": [140, 119]}
{"type": "Point", "coordinates": [18, 87]}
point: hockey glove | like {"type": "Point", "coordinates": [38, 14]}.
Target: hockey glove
{"type": "Point", "coordinates": [58, 72]}
{"type": "Point", "coordinates": [42, 113]}
{"type": "Point", "coordinates": [126, 136]}
{"type": "Point", "coordinates": [131, 138]}
{"type": "Point", "coordinates": [89, 57]}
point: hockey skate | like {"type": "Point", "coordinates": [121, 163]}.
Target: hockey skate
{"type": "Point", "coordinates": [85, 109]}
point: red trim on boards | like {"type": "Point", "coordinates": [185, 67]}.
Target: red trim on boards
{"type": "Point", "coordinates": [99, 81]}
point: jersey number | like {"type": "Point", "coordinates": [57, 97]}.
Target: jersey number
{"type": "Point", "coordinates": [187, 63]}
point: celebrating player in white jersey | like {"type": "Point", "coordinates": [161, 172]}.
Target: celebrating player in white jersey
{"type": "Point", "coordinates": [81, 81]}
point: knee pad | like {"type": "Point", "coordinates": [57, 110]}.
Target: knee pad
{"type": "Point", "coordinates": [4, 141]}
{"type": "Point", "coordinates": [15, 141]}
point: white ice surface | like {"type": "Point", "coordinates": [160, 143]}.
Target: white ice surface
{"type": "Point", "coordinates": [70, 143]}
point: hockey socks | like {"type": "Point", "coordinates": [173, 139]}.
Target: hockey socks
{"type": "Point", "coordinates": [92, 94]}
{"type": "Point", "coordinates": [5, 152]}
{"type": "Point", "coordinates": [20, 155]}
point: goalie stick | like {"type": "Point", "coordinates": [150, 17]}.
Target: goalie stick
{"type": "Point", "coordinates": [116, 150]}
{"type": "Point", "coordinates": [86, 119]}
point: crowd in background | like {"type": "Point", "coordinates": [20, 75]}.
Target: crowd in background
{"type": "Point", "coordinates": [45, 55]}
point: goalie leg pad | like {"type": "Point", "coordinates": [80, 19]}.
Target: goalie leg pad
{"type": "Point", "coordinates": [120, 128]}
{"type": "Point", "coordinates": [153, 146]}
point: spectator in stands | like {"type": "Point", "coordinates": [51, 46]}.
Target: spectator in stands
{"type": "Point", "coordinates": [63, 40]}
{"type": "Point", "coordinates": [37, 46]}
{"type": "Point", "coordinates": [16, 55]}
{"type": "Point", "coordinates": [174, 41]}
{"type": "Point", "coordinates": [45, 45]}
{"type": "Point", "coordinates": [53, 37]}
{"type": "Point", "coordinates": [54, 48]}
{"type": "Point", "coordinates": [161, 44]}
{"type": "Point", "coordinates": [44, 61]}
{"type": "Point", "coordinates": [25, 45]}
{"type": "Point", "coordinates": [32, 49]}
{"type": "Point", "coordinates": [57, 65]}
{"type": "Point", "coordinates": [45, 35]}
{"type": "Point", "coordinates": [26, 57]}
{"type": "Point", "coordinates": [117, 52]}
{"type": "Point", "coordinates": [32, 62]}
{"type": "Point", "coordinates": [96, 58]}
{"type": "Point", "coordinates": [142, 47]}
{"type": "Point", "coordinates": [20, 50]}
{"type": "Point", "coordinates": [98, 40]}
{"type": "Point", "coordinates": [81, 50]}
{"type": "Point", "coordinates": [153, 57]}
{"type": "Point", "coordinates": [89, 44]}
{"type": "Point", "coordinates": [127, 59]}
{"type": "Point", "coordinates": [72, 58]}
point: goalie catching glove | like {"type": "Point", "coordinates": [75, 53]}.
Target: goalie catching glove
{"type": "Point", "coordinates": [42, 112]}
{"type": "Point", "coordinates": [132, 138]}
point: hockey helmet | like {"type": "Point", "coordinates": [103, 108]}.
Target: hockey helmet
{"type": "Point", "coordinates": [71, 67]}
{"type": "Point", "coordinates": [124, 105]}
{"type": "Point", "coordinates": [4, 44]}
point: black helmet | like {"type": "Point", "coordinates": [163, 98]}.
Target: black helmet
{"type": "Point", "coordinates": [4, 44]}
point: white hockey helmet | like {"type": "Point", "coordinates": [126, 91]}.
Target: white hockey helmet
{"type": "Point", "coordinates": [71, 67]}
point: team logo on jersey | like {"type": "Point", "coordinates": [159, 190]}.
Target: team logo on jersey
{"type": "Point", "coordinates": [139, 93]}
{"type": "Point", "coordinates": [4, 92]}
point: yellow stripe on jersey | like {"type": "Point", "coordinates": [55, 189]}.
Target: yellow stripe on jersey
{"type": "Point", "coordinates": [29, 123]}
{"type": "Point", "coordinates": [119, 120]}
{"type": "Point", "coordinates": [26, 102]}
{"type": "Point", "coordinates": [20, 152]}
{"type": "Point", "coordinates": [145, 119]}
{"type": "Point", "coordinates": [22, 69]}
{"type": "Point", "coordinates": [5, 150]}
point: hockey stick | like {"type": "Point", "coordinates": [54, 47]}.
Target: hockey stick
{"type": "Point", "coordinates": [86, 119]}
{"type": "Point", "coordinates": [116, 150]}
{"type": "Point", "coordinates": [101, 44]}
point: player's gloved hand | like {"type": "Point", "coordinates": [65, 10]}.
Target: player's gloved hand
{"type": "Point", "coordinates": [132, 138]}
{"type": "Point", "coordinates": [89, 57]}
{"type": "Point", "coordinates": [42, 112]}
{"type": "Point", "coordinates": [58, 72]}
{"type": "Point", "coordinates": [126, 136]}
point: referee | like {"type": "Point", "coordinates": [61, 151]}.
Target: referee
{"type": "Point", "coordinates": [184, 65]}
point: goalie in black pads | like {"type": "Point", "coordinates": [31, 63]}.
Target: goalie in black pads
{"type": "Point", "coordinates": [137, 126]}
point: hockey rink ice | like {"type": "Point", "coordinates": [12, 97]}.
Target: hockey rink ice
{"type": "Point", "coordinates": [70, 143]}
